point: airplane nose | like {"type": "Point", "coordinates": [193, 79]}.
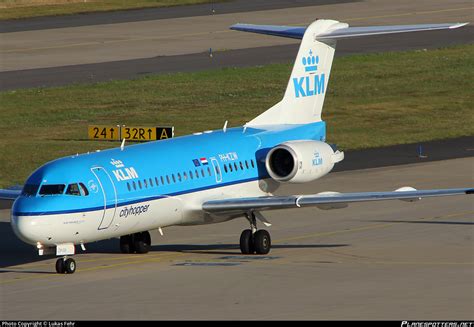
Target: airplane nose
{"type": "Point", "coordinates": [25, 228]}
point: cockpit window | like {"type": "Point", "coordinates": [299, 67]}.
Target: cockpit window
{"type": "Point", "coordinates": [84, 190]}
{"type": "Point", "coordinates": [30, 189]}
{"type": "Point", "coordinates": [73, 189]}
{"type": "Point", "coordinates": [52, 189]}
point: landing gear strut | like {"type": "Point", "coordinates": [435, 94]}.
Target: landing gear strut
{"type": "Point", "coordinates": [135, 243]}
{"type": "Point", "coordinates": [65, 266]}
{"type": "Point", "coordinates": [253, 241]}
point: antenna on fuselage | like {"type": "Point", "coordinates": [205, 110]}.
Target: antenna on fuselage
{"type": "Point", "coordinates": [122, 145]}
{"type": "Point", "coordinates": [225, 126]}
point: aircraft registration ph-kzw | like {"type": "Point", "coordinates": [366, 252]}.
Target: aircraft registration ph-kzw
{"type": "Point", "coordinates": [203, 178]}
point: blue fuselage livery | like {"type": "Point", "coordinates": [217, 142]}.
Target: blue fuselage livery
{"type": "Point", "coordinates": [160, 169]}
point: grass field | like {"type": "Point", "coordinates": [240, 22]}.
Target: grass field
{"type": "Point", "coordinates": [372, 100]}
{"type": "Point", "coordinates": [14, 9]}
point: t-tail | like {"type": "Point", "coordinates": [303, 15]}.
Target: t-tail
{"type": "Point", "coordinates": [304, 96]}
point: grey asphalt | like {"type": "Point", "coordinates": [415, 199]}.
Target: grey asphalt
{"type": "Point", "coordinates": [388, 260]}
{"type": "Point", "coordinates": [138, 15]}
{"type": "Point", "coordinates": [135, 68]}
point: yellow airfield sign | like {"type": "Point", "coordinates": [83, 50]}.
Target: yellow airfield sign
{"type": "Point", "coordinates": [104, 132]}
{"type": "Point", "coordinates": [130, 133]}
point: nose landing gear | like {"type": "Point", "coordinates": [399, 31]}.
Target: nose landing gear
{"type": "Point", "coordinates": [65, 266]}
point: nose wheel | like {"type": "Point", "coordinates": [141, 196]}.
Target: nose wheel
{"type": "Point", "coordinates": [65, 266]}
{"type": "Point", "coordinates": [253, 241]}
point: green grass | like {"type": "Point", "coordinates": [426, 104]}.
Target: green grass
{"type": "Point", "coordinates": [372, 100]}
{"type": "Point", "coordinates": [15, 9]}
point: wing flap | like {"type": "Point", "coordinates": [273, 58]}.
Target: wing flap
{"type": "Point", "coordinates": [296, 201]}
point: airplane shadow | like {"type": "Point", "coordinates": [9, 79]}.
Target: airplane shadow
{"type": "Point", "coordinates": [14, 252]}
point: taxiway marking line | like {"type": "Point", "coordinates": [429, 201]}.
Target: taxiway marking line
{"type": "Point", "coordinates": [156, 258]}
{"type": "Point", "coordinates": [369, 227]}
{"type": "Point", "coordinates": [213, 32]}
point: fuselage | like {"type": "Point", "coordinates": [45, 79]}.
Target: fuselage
{"type": "Point", "coordinates": [106, 194]}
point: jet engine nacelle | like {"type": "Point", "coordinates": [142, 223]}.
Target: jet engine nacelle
{"type": "Point", "coordinates": [301, 161]}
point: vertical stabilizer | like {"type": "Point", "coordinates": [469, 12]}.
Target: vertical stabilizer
{"type": "Point", "coordinates": [307, 87]}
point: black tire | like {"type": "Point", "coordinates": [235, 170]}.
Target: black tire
{"type": "Point", "coordinates": [140, 243]}
{"type": "Point", "coordinates": [126, 244]}
{"type": "Point", "coordinates": [146, 237]}
{"type": "Point", "coordinates": [60, 266]}
{"type": "Point", "coordinates": [246, 242]}
{"type": "Point", "coordinates": [70, 266]}
{"type": "Point", "coordinates": [262, 242]}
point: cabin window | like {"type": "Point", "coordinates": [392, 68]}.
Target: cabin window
{"type": "Point", "coordinates": [84, 190]}
{"type": "Point", "coordinates": [30, 189]}
{"type": "Point", "coordinates": [202, 172]}
{"type": "Point", "coordinates": [145, 183]}
{"type": "Point", "coordinates": [191, 174]}
{"type": "Point", "coordinates": [209, 171]}
{"type": "Point", "coordinates": [168, 179]}
{"type": "Point", "coordinates": [73, 189]}
{"type": "Point", "coordinates": [246, 164]}
{"type": "Point", "coordinates": [225, 168]}
{"type": "Point", "coordinates": [134, 186]}
{"type": "Point", "coordinates": [151, 182]}
{"type": "Point", "coordinates": [174, 178]}
{"type": "Point", "coordinates": [128, 186]}
{"type": "Point", "coordinates": [179, 177]}
{"type": "Point", "coordinates": [230, 167]}
{"type": "Point", "coordinates": [241, 165]}
{"type": "Point", "coordinates": [140, 184]}
{"type": "Point", "coordinates": [218, 170]}
{"type": "Point", "coordinates": [197, 174]}
{"type": "Point", "coordinates": [235, 166]}
{"type": "Point", "coordinates": [185, 176]}
{"type": "Point", "coordinates": [52, 189]}
{"type": "Point", "coordinates": [251, 161]}
{"type": "Point", "coordinates": [156, 181]}
{"type": "Point", "coordinates": [162, 180]}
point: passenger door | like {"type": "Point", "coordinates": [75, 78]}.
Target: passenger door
{"type": "Point", "coordinates": [109, 193]}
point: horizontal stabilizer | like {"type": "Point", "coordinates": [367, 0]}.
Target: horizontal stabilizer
{"type": "Point", "coordinates": [342, 31]}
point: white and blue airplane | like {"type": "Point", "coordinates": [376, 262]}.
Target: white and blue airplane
{"type": "Point", "coordinates": [204, 178]}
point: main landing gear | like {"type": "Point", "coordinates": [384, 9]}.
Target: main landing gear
{"type": "Point", "coordinates": [65, 265]}
{"type": "Point", "coordinates": [135, 243]}
{"type": "Point", "coordinates": [253, 241]}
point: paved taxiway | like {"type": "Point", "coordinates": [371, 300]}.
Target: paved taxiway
{"type": "Point", "coordinates": [187, 35]}
{"type": "Point", "coordinates": [387, 260]}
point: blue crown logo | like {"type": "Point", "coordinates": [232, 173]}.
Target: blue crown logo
{"type": "Point", "coordinates": [310, 62]}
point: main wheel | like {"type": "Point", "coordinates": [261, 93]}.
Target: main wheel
{"type": "Point", "coordinates": [126, 244]}
{"type": "Point", "coordinates": [142, 242]}
{"type": "Point", "coordinates": [262, 242]}
{"type": "Point", "coordinates": [246, 242]}
{"type": "Point", "coordinates": [70, 266]}
{"type": "Point", "coordinates": [60, 266]}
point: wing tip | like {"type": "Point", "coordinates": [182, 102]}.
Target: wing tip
{"type": "Point", "coordinates": [458, 25]}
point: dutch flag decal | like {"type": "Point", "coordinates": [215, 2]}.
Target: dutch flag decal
{"type": "Point", "coordinates": [203, 161]}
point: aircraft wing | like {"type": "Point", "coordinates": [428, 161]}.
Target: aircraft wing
{"type": "Point", "coordinates": [9, 194]}
{"type": "Point", "coordinates": [325, 200]}
{"type": "Point", "coordinates": [342, 30]}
